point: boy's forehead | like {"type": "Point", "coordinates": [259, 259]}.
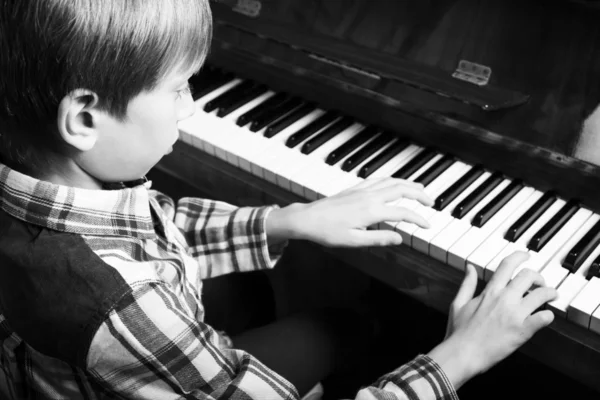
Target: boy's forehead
{"type": "Point", "coordinates": [176, 77]}
{"type": "Point", "coordinates": [180, 74]}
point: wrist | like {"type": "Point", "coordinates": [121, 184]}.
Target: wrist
{"type": "Point", "coordinates": [457, 361]}
{"type": "Point", "coordinates": [285, 223]}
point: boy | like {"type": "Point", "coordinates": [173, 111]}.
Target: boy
{"type": "Point", "coordinates": [101, 278]}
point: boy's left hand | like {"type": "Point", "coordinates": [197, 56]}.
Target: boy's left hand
{"type": "Point", "coordinates": [341, 220]}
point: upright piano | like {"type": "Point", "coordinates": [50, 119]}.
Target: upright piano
{"type": "Point", "coordinates": [481, 101]}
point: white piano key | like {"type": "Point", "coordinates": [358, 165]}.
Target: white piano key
{"type": "Point", "coordinates": [277, 158]}
{"type": "Point", "coordinates": [236, 145]}
{"type": "Point", "coordinates": [247, 143]}
{"type": "Point", "coordinates": [573, 282]}
{"type": "Point", "coordinates": [438, 220]}
{"type": "Point", "coordinates": [341, 182]}
{"type": "Point", "coordinates": [195, 128]}
{"type": "Point", "coordinates": [584, 305]}
{"type": "Point", "coordinates": [495, 243]}
{"type": "Point", "coordinates": [201, 101]}
{"type": "Point", "coordinates": [509, 249]}
{"type": "Point", "coordinates": [389, 169]}
{"type": "Point", "coordinates": [433, 190]}
{"type": "Point", "coordinates": [316, 176]}
{"type": "Point", "coordinates": [475, 236]}
{"type": "Point", "coordinates": [573, 234]}
{"type": "Point", "coordinates": [439, 246]}
{"type": "Point", "coordinates": [567, 291]}
{"type": "Point", "coordinates": [485, 253]}
{"type": "Point", "coordinates": [396, 162]}
{"type": "Point", "coordinates": [230, 141]}
{"type": "Point", "coordinates": [358, 167]}
{"type": "Point", "coordinates": [410, 203]}
{"type": "Point", "coordinates": [521, 243]}
{"type": "Point", "coordinates": [262, 162]}
{"type": "Point", "coordinates": [595, 320]}
{"type": "Point", "coordinates": [553, 277]}
{"type": "Point", "coordinates": [558, 246]}
{"type": "Point", "coordinates": [406, 203]}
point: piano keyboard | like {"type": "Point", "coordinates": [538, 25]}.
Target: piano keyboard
{"type": "Point", "coordinates": [479, 217]}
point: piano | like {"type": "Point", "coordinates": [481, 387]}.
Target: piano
{"type": "Point", "coordinates": [481, 101]}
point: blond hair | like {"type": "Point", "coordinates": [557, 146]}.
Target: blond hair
{"type": "Point", "coordinates": [116, 48]}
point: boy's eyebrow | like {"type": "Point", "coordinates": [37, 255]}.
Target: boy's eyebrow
{"type": "Point", "coordinates": [183, 82]}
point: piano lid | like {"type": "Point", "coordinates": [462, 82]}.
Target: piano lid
{"type": "Point", "coordinates": [525, 69]}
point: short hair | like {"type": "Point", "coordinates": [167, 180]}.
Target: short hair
{"type": "Point", "coordinates": [116, 48]}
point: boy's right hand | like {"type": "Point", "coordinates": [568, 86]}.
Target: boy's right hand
{"type": "Point", "coordinates": [484, 330]}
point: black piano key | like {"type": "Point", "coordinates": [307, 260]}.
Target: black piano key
{"type": "Point", "coordinates": [477, 195]}
{"type": "Point", "coordinates": [312, 128]}
{"type": "Point", "coordinates": [529, 217]}
{"type": "Point", "coordinates": [490, 209]}
{"type": "Point", "coordinates": [357, 140]}
{"type": "Point", "coordinates": [382, 158]}
{"type": "Point", "coordinates": [253, 93]}
{"type": "Point", "coordinates": [289, 119]}
{"type": "Point", "coordinates": [260, 109]}
{"type": "Point", "coordinates": [594, 270]}
{"type": "Point", "coordinates": [229, 96]}
{"type": "Point", "coordinates": [415, 164]}
{"type": "Point", "coordinates": [539, 240]}
{"type": "Point", "coordinates": [203, 78]}
{"type": "Point", "coordinates": [367, 151]}
{"type": "Point", "coordinates": [275, 113]}
{"type": "Point", "coordinates": [326, 134]}
{"type": "Point", "coordinates": [202, 88]}
{"type": "Point", "coordinates": [435, 170]}
{"type": "Point", "coordinates": [442, 201]}
{"type": "Point", "coordinates": [582, 250]}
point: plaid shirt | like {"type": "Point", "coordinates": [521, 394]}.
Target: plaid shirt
{"type": "Point", "coordinates": [100, 297]}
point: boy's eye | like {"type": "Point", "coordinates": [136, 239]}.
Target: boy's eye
{"type": "Point", "coordinates": [185, 91]}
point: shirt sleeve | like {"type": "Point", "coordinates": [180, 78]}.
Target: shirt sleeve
{"type": "Point", "coordinates": [223, 238]}
{"type": "Point", "coordinates": [152, 346]}
{"type": "Point", "coordinates": [420, 379]}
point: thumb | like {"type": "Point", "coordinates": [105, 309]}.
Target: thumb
{"type": "Point", "coordinates": [467, 288]}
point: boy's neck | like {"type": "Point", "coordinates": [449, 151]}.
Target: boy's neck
{"type": "Point", "coordinates": [66, 172]}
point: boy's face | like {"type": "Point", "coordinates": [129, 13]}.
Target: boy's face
{"type": "Point", "coordinates": [128, 149]}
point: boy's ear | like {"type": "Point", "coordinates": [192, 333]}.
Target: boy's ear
{"type": "Point", "coordinates": [77, 119]}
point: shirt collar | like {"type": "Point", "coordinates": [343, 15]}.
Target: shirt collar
{"type": "Point", "coordinates": [122, 212]}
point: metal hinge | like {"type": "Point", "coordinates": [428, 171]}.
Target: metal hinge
{"type": "Point", "coordinates": [471, 72]}
{"type": "Point", "coordinates": [250, 8]}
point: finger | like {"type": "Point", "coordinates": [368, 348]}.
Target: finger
{"type": "Point", "coordinates": [408, 192]}
{"type": "Point", "coordinates": [374, 238]}
{"type": "Point", "coordinates": [506, 269]}
{"type": "Point", "coordinates": [524, 280]}
{"type": "Point", "coordinates": [467, 288]}
{"type": "Point", "coordinates": [538, 297]}
{"type": "Point", "coordinates": [401, 214]}
{"type": "Point", "coordinates": [539, 320]}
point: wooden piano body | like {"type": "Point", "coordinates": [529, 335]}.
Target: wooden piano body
{"type": "Point", "coordinates": [391, 63]}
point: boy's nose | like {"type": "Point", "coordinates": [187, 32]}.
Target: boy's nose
{"type": "Point", "coordinates": [187, 109]}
